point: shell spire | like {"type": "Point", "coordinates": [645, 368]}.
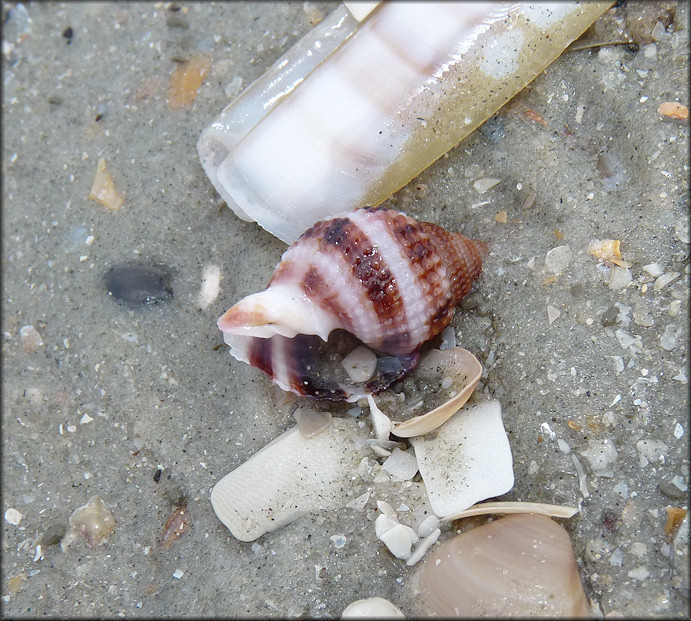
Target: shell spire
{"type": "Point", "coordinates": [372, 276]}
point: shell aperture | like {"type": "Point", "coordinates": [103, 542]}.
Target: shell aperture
{"type": "Point", "coordinates": [372, 276]}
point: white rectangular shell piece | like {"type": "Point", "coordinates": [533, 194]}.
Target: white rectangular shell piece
{"type": "Point", "coordinates": [468, 460]}
{"type": "Point", "coordinates": [291, 476]}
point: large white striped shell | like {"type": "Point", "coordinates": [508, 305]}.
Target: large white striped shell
{"type": "Point", "coordinates": [354, 111]}
{"type": "Point", "coordinates": [374, 274]}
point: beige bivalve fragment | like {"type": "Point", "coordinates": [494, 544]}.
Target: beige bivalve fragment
{"type": "Point", "coordinates": [520, 565]}
{"type": "Point", "coordinates": [295, 474]}
{"type": "Point", "coordinates": [455, 370]}
{"type": "Point", "coordinates": [467, 460]}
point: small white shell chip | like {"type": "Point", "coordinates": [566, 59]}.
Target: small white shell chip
{"type": "Point", "coordinates": [468, 460]}
{"type": "Point", "coordinates": [288, 478]}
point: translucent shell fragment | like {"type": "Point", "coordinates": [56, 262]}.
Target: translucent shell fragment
{"type": "Point", "coordinates": [520, 565]}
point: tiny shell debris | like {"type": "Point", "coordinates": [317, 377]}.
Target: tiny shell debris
{"type": "Point", "coordinates": [360, 364]}
{"type": "Point", "coordinates": [521, 563]}
{"type": "Point", "coordinates": [177, 523]}
{"type": "Point", "coordinates": [558, 259]}
{"type": "Point", "coordinates": [607, 250]}
{"type": "Point", "coordinates": [211, 286]}
{"type": "Point", "coordinates": [31, 339]}
{"type": "Point", "coordinates": [397, 537]}
{"type": "Point", "coordinates": [485, 183]}
{"type": "Point", "coordinates": [401, 465]}
{"type": "Point", "coordinates": [552, 313]}
{"type": "Point", "coordinates": [311, 422]}
{"type": "Point", "coordinates": [673, 111]}
{"type": "Point", "coordinates": [290, 477]}
{"type": "Point", "coordinates": [93, 520]}
{"type": "Point", "coordinates": [675, 516]}
{"type": "Point", "coordinates": [186, 80]}
{"type": "Point", "coordinates": [103, 189]}
{"type": "Point", "coordinates": [14, 517]}
{"type": "Point", "coordinates": [469, 459]}
{"type": "Point", "coordinates": [500, 217]}
{"type": "Point", "coordinates": [372, 608]}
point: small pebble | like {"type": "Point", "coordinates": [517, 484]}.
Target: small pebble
{"type": "Point", "coordinates": [401, 465]}
{"type": "Point", "coordinates": [671, 491]}
{"type": "Point", "coordinates": [577, 290]}
{"type": "Point", "coordinates": [338, 540]}
{"type": "Point", "coordinates": [609, 317]}
{"type": "Point", "coordinates": [428, 526]}
{"type": "Point", "coordinates": [178, 573]}
{"type": "Point", "coordinates": [640, 573]}
{"type": "Point", "coordinates": [14, 517]}
{"type": "Point", "coordinates": [31, 339]}
{"type": "Point", "coordinates": [659, 31]}
{"type": "Point", "coordinates": [654, 269]}
{"type": "Point", "coordinates": [137, 285]}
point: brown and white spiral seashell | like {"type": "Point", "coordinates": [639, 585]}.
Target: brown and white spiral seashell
{"type": "Point", "coordinates": [373, 274]}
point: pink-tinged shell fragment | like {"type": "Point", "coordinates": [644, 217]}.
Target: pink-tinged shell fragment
{"type": "Point", "coordinates": [372, 277]}
{"type": "Point", "coordinates": [520, 565]}
{"type": "Point", "coordinates": [462, 370]}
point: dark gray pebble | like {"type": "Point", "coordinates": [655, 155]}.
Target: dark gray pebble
{"type": "Point", "coordinates": [671, 491]}
{"type": "Point", "coordinates": [577, 290]}
{"type": "Point", "coordinates": [609, 317]}
{"type": "Point", "coordinates": [136, 284]}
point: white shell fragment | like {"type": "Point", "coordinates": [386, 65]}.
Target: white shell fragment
{"type": "Point", "coordinates": [468, 460]}
{"type": "Point", "coordinates": [372, 608]}
{"type": "Point", "coordinates": [520, 565]}
{"type": "Point", "coordinates": [401, 465]}
{"type": "Point", "coordinates": [288, 478]}
{"type": "Point", "coordinates": [360, 364]}
{"type": "Point", "coordinates": [463, 369]}
{"type": "Point", "coordinates": [398, 537]}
